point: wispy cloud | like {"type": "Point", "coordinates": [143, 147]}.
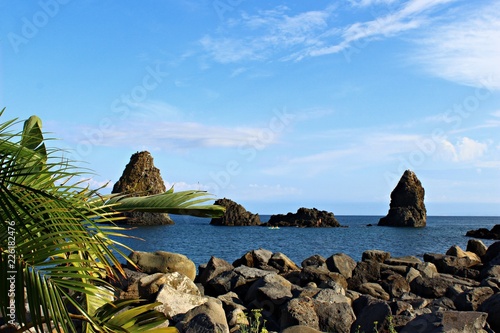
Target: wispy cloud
{"type": "Point", "coordinates": [313, 33]}
{"type": "Point", "coordinates": [466, 49]}
{"type": "Point", "coordinates": [268, 32]}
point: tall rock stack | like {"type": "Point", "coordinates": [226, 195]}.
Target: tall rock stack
{"type": "Point", "coordinates": [141, 178]}
{"type": "Point", "coordinates": [407, 208]}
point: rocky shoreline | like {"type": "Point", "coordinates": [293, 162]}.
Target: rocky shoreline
{"type": "Point", "coordinates": [454, 292]}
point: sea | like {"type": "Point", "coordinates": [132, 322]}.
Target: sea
{"type": "Point", "coordinates": [198, 240]}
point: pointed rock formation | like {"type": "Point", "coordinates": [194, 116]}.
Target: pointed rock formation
{"type": "Point", "coordinates": [235, 215]}
{"type": "Point", "coordinates": [142, 178]}
{"type": "Point", "coordinates": [407, 208]}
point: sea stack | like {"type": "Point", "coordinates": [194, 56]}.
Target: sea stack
{"type": "Point", "coordinates": [141, 178]}
{"type": "Point", "coordinates": [235, 215]}
{"type": "Point", "coordinates": [407, 208]}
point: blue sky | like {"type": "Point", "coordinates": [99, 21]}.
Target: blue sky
{"type": "Point", "coordinates": [276, 105]}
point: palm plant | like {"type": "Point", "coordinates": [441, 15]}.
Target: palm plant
{"type": "Point", "coordinates": [58, 240]}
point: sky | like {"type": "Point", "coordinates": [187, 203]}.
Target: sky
{"type": "Point", "coordinates": [275, 105]}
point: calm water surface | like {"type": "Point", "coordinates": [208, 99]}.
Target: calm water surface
{"type": "Point", "coordinates": [197, 239]}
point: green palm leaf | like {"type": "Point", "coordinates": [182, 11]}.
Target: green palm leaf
{"type": "Point", "coordinates": [57, 239]}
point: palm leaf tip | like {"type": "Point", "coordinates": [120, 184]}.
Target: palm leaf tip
{"type": "Point", "coordinates": [180, 203]}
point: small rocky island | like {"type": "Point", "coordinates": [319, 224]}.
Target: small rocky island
{"type": "Point", "coordinates": [142, 178]}
{"type": "Point", "coordinates": [235, 215]}
{"type": "Point", "coordinates": [304, 218]}
{"type": "Point", "coordinates": [407, 208]}
{"type": "Point", "coordinates": [484, 233]}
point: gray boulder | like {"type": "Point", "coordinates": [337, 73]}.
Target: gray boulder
{"type": "Point", "coordinates": [341, 263]}
{"type": "Point", "coordinates": [492, 307]}
{"type": "Point", "coordinates": [448, 321]}
{"type": "Point", "coordinates": [206, 318]}
{"type": "Point", "coordinates": [163, 262]}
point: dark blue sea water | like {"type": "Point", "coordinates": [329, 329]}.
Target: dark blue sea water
{"type": "Point", "coordinates": [198, 240]}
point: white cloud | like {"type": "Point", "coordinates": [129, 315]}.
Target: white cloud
{"type": "Point", "coordinates": [465, 150]}
{"type": "Point", "coordinates": [312, 33]}
{"type": "Point", "coordinates": [466, 49]}
{"type": "Point", "coordinates": [366, 3]}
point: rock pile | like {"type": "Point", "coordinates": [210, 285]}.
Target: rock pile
{"type": "Point", "coordinates": [407, 208]}
{"type": "Point", "coordinates": [142, 178]}
{"type": "Point", "coordinates": [305, 217]}
{"type": "Point", "coordinates": [235, 215]}
{"type": "Point", "coordinates": [454, 292]}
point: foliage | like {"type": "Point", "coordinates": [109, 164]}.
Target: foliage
{"type": "Point", "coordinates": [57, 239]}
{"type": "Point", "coordinates": [251, 324]}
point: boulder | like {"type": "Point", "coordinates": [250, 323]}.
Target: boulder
{"type": "Point", "coordinates": [235, 215]}
{"type": "Point", "coordinates": [299, 311]}
{"type": "Point", "coordinates": [456, 251]}
{"type": "Point", "coordinates": [447, 321]}
{"type": "Point", "coordinates": [237, 280]}
{"type": "Point", "coordinates": [407, 208]}
{"type": "Point", "coordinates": [282, 263]}
{"type": "Point", "coordinates": [214, 267]}
{"type": "Point", "coordinates": [178, 295]}
{"type": "Point", "coordinates": [375, 255]}
{"type": "Point", "coordinates": [341, 263]}
{"type": "Point", "coordinates": [269, 292]}
{"type": "Point", "coordinates": [314, 260]}
{"type": "Point", "coordinates": [395, 285]}
{"type": "Point", "coordinates": [492, 307]}
{"type": "Point", "coordinates": [484, 233]}
{"type": "Point", "coordinates": [322, 277]}
{"type": "Point", "coordinates": [304, 217]}
{"type": "Point", "coordinates": [334, 317]}
{"type": "Point", "coordinates": [142, 178]}
{"type": "Point", "coordinates": [470, 300]}
{"type": "Point", "coordinates": [461, 266]}
{"type": "Point", "coordinates": [365, 271]}
{"type": "Point", "coordinates": [256, 258]}
{"type": "Point", "coordinates": [410, 261]}
{"type": "Point", "coordinates": [163, 262]}
{"type": "Point", "coordinates": [375, 290]}
{"type": "Point", "coordinates": [208, 317]}
{"type": "Point", "coordinates": [476, 246]}
{"type": "Point", "coordinates": [300, 329]}
{"type": "Point", "coordinates": [492, 255]}
{"type": "Point", "coordinates": [371, 314]}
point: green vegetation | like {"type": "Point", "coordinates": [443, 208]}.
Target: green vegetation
{"type": "Point", "coordinates": [57, 240]}
{"type": "Point", "coordinates": [253, 322]}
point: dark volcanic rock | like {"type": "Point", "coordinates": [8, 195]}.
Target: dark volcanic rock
{"type": "Point", "coordinates": [235, 215]}
{"type": "Point", "coordinates": [484, 233]}
{"type": "Point", "coordinates": [141, 178]}
{"type": "Point", "coordinates": [304, 217]}
{"type": "Point", "coordinates": [407, 208]}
